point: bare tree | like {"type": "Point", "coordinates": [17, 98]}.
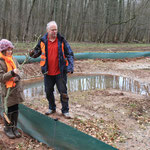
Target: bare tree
{"type": "Point", "coordinates": [27, 25]}
{"type": "Point", "coordinates": [5, 19]}
{"type": "Point", "coordinates": [86, 20]}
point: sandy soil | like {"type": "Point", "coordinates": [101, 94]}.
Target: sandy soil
{"type": "Point", "coordinates": [121, 119]}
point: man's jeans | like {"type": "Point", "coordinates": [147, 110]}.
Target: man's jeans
{"type": "Point", "coordinates": [60, 82]}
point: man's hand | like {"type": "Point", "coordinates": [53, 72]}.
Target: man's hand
{"type": "Point", "coordinates": [31, 52]}
{"type": "Point", "coordinates": [70, 72]}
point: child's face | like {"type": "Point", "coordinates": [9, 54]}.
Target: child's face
{"type": "Point", "coordinates": [9, 52]}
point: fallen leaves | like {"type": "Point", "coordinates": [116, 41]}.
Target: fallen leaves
{"type": "Point", "coordinates": [103, 130]}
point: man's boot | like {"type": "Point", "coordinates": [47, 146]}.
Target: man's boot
{"type": "Point", "coordinates": [8, 129]}
{"type": "Point", "coordinates": [15, 120]}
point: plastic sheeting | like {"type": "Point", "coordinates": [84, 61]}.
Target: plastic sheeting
{"type": "Point", "coordinates": [21, 59]}
{"type": "Point", "coordinates": [94, 56]}
{"type": "Point", "coordinates": [56, 134]}
{"type": "Point", "coordinates": [111, 55]}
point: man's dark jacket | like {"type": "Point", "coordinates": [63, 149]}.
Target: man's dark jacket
{"type": "Point", "coordinates": [62, 63]}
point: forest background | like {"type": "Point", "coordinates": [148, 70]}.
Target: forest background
{"type": "Point", "coordinates": [102, 21]}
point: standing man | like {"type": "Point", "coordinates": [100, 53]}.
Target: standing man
{"type": "Point", "coordinates": [57, 60]}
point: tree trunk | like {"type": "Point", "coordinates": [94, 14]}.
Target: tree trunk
{"type": "Point", "coordinates": [27, 25]}
{"type": "Point", "coordinates": [5, 19]}
{"type": "Point", "coordinates": [19, 24]}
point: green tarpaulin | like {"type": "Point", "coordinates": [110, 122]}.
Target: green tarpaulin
{"type": "Point", "coordinates": [111, 55]}
{"type": "Point", "coordinates": [55, 133]}
{"type": "Point", "coordinates": [96, 55]}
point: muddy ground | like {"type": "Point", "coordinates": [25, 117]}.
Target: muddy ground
{"type": "Point", "coordinates": [118, 118]}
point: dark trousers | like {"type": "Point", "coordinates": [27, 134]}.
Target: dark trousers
{"type": "Point", "coordinates": [13, 108]}
{"type": "Point", "coordinates": [60, 82]}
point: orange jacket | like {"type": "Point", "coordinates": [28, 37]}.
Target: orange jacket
{"type": "Point", "coordinates": [10, 66]}
{"type": "Point", "coordinates": [65, 54]}
{"type": "Point", "coordinates": [43, 56]}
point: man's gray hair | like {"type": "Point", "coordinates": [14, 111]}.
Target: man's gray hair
{"type": "Point", "coordinates": [50, 24]}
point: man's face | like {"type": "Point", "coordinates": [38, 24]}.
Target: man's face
{"type": "Point", "coordinates": [52, 32]}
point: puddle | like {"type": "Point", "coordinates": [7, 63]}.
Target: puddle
{"type": "Point", "coordinates": [83, 83]}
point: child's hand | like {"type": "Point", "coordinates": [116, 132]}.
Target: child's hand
{"type": "Point", "coordinates": [16, 71]}
{"type": "Point", "coordinates": [16, 79]}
